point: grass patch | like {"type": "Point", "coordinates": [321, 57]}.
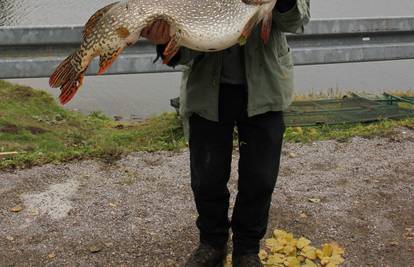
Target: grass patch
{"type": "Point", "coordinates": [42, 131]}
{"type": "Point", "coordinates": [33, 124]}
{"type": "Point", "coordinates": [345, 131]}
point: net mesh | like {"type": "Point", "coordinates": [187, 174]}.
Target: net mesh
{"type": "Point", "coordinates": [350, 109]}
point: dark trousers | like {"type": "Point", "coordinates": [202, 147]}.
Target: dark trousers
{"type": "Point", "coordinates": [211, 146]}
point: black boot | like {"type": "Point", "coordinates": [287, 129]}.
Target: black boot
{"type": "Point", "coordinates": [207, 256]}
{"type": "Point", "coordinates": [249, 260]}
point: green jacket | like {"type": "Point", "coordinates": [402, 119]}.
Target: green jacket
{"type": "Point", "coordinates": [269, 70]}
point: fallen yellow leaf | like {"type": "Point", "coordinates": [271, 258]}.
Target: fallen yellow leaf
{"type": "Point", "coordinates": [262, 254]}
{"type": "Point", "coordinates": [309, 263]}
{"type": "Point", "coordinates": [18, 208]}
{"type": "Point", "coordinates": [301, 258]}
{"type": "Point", "coordinates": [292, 262]}
{"type": "Point", "coordinates": [302, 242]}
{"type": "Point", "coordinates": [276, 259]}
{"type": "Point", "coordinates": [309, 252]}
{"type": "Point", "coordinates": [279, 233]}
{"type": "Point", "coordinates": [282, 241]}
{"type": "Point", "coordinates": [292, 242]}
{"type": "Point", "coordinates": [289, 250]}
{"type": "Point", "coordinates": [271, 243]}
{"type": "Point", "coordinates": [314, 200]}
{"type": "Point", "coordinates": [286, 251]}
{"type": "Point", "coordinates": [336, 249]}
{"type": "Point", "coordinates": [319, 254]}
{"type": "Point", "coordinates": [327, 250]}
{"type": "Point", "coordinates": [325, 260]}
{"type": "Point", "coordinates": [336, 259]}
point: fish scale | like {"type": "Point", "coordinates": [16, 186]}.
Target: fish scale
{"type": "Point", "coordinates": [203, 25]}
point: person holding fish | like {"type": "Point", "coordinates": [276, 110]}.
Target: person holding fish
{"type": "Point", "coordinates": [248, 87]}
{"type": "Point", "coordinates": [237, 75]}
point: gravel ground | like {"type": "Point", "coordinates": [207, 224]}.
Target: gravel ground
{"type": "Point", "coordinates": [139, 211]}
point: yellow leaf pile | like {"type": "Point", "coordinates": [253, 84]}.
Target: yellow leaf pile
{"type": "Point", "coordinates": [283, 250]}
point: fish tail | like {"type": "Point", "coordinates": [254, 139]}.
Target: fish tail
{"type": "Point", "coordinates": [63, 73]}
{"type": "Point", "coordinates": [68, 77]}
{"type": "Point", "coordinates": [69, 89]}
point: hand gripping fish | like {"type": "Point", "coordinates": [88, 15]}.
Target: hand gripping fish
{"type": "Point", "coordinates": [202, 25]}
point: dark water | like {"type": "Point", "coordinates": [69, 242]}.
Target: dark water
{"type": "Point", "coordinates": [143, 95]}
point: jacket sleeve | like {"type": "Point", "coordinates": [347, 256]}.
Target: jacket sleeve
{"type": "Point", "coordinates": [290, 16]}
{"type": "Point", "coordinates": [186, 55]}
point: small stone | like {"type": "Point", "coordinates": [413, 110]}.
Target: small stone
{"type": "Point", "coordinates": [10, 238]}
{"type": "Point", "coordinates": [95, 248]}
{"type": "Point", "coordinates": [109, 244]}
{"type": "Point", "coordinates": [394, 243]}
{"type": "Point", "coordinates": [303, 215]}
{"type": "Point", "coordinates": [51, 256]}
{"type": "Point", "coordinates": [292, 155]}
{"type": "Point", "coordinates": [34, 212]}
{"type": "Point", "coordinates": [314, 200]}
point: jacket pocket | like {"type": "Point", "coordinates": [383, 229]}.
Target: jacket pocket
{"type": "Point", "coordinates": [286, 59]}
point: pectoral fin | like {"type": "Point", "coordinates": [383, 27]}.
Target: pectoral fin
{"type": "Point", "coordinates": [172, 47]}
{"type": "Point", "coordinates": [69, 89]}
{"type": "Point", "coordinates": [266, 27]}
{"type": "Point", "coordinates": [247, 30]}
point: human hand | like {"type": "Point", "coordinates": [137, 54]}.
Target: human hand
{"type": "Point", "coordinates": [158, 32]}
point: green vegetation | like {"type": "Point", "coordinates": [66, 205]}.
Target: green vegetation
{"type": "Point", "coordinates": [346, 131]}
{"type": "Point", "coordinates": [42, 131]}
{"type": "Point", "coordinates": [33, 124]}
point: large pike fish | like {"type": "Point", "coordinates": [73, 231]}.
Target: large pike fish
{"type": "Point", "coordinates": [203, 25]}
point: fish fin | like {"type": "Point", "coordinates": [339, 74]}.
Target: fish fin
{"type": "Point", "coordinates": [64, 72]}
{"type": "Point", "coordinates": [106, 60]}
{"type": "Point", "coordinates": [247, 30]}
{"type": "Point", "coordinates": [172, 47]}
{"type": "Point", "coordinates": [90, 25]}
{"type": "Point", "coordinates": [68, 77]}
{"type": "Point", "coordinates": [266, 27]}
{"type": "Point", "coordinates": [123, 32]}
{"type": "Point", "coordinates": [69, 89]}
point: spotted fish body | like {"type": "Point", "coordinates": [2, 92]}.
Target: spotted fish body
{"type": "Point", "coordinates": [203, 25]}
